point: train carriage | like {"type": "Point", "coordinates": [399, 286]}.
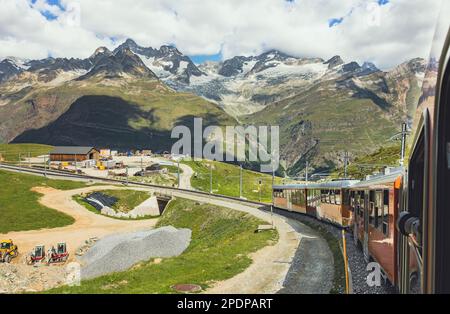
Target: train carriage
{"type": "Point", "coordinates": [328, 201]}
{"type": "Point", "coordinates": [424, 224]}
{"type": "Point", "coordinates": [375, 206]}
{"type": "Point", "coordinates": [402, 220]}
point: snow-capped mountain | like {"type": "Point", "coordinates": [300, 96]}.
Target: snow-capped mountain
{"type": "Point", "coordinates": [314, 101]}
{"type": "Point", "coordinates": [10, 67]}
{"type": "Point", "coordinates": [167, 62]}
{"type": "Point", "coordinates": [244, 85]}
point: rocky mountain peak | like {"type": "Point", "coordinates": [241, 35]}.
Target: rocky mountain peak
{"type": "Point", "coordinates": [169, 50]}
{"type": "Point", "coordinates": [101, 51]}
{"type": "Point", "coordinates": [351, 67]}
{"type": "Point", "coordinates": [334, 62]}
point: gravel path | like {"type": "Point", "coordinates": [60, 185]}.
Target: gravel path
{"type": "Point", "coordinates": [311, 269]}
{"type": "Point", "coordinates": [356, 260]}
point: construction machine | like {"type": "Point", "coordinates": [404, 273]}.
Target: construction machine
{"type": "Point", "coordinates": [8, 250]}
{"type": "Point", "coordinates": [36, 256]}
{"type": "Point", "coordinates": [58, 255]}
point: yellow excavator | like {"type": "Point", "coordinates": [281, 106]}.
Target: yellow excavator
{"type": "Point", "coordinates": [8, 250]}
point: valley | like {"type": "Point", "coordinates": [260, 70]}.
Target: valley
{"type": "Point", "coordinates": [131, 98]}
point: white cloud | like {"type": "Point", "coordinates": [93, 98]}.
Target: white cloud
{"type": "Point", "coordinates": [397, 31]}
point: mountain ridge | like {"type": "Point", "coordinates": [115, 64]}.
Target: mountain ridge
{"type": "Point", "coordinates": [315, 101]}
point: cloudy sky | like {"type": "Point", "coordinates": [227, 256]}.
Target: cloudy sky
{"type": "Point", "coordinates": [386, 32]}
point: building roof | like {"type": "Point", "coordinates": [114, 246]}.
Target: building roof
{"type": "Point", "coordinates": [71, 150]}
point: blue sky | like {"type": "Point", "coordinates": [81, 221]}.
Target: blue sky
{"type": "Point", "coordinates": [202, 58]}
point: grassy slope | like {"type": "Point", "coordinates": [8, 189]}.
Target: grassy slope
{"type": "Point", "coordinates": [159, 107]}
{"type": "Point", "coordinates": [19, 207]}
{"type": "Point", "coordinates": [126, 199]}
{"type": "Point", "coordinates": [10, 152]}
{"type": "Point", "coordinates": [221, 241]}
{"type": "Point", "coordinates": [80, 200]}
{"type": "Point", "coordinates": [360, 167]}
{"type": "Point", "coordinates": [226, 180]}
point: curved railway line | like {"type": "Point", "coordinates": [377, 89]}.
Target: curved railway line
{"type": "Point", "coordinates": [274, 268]}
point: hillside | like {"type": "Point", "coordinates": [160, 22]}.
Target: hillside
{"type": "Point", "coordinates": [372, 163]}
{"type": "Point", "coordinates": [118, 103]}
{"type": "Point", "coordinates": [12, 152]}
{"type": "Point", "coordinates": [132, 97]}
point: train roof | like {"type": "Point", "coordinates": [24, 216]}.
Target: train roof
{"type": "Point", "coordinates": [324, 185]}
{"type": "Point", "coordinates": [380, 179]}
{"type": "Point", "coordinates": [390, 175]}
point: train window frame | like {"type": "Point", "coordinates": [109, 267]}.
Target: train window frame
{"type": "Point", "coordinates": [385, 217]}
{"type": "Point", "coordinates": [372, 208]}
{"type": "Point", "coordinates": [362, 204]}
{"type": "Point", "coordinates": [337, 197]}
{"type": "Point", "coordinates": [379, 209]}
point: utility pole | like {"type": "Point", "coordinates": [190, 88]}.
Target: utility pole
{"type": "Point", "coordinates": [210, 178]}
{"type": "Point", "coordinates": [346, 158]}
{"type": "Point", "coordinates": [273, 200]}
{"type": "Point", "coordinates": [404, 132]}
{"type": "Point", "coordinates": [240, 181]}
{"type": "Point", "coordinates": [45, 167]}
{"type": "Point", "coordinates": [260, 182]}
{"type": "Point", "coordinates": [306, 172]}
{"type": "Point", "coordinates": [178, 173]}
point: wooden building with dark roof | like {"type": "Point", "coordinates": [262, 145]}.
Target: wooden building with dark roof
{"type": "Point", "coordinates": [74, 153]}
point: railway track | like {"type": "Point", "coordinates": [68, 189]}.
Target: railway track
{"type": "Point", "coordinates": [65, 174]}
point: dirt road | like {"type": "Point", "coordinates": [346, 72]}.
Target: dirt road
{"type": "Point", "coordinates": [267, 274]}
{"type": "Point", "coordinates": [87, 224]}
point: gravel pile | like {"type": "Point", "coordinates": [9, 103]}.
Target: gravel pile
{"type": "Point", "coordinates": [119, 252]}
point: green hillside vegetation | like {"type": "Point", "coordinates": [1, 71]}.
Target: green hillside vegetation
{"type": "Point", "coordinates": [127, 200]}
{"type": "Point", "coordinates": [11, 152]}
{"type": "Point", "coordinates": [19, 207]}
{"type": "Point", "coordinates": [322, 122]}
{"type": "Point", "coordinates": [226, 180]}
{"type": "Point", "coordinates": [119, 114]}
{"type": "Point", "coordinates": [371, 163]}
{"type": "Point", "coordinates": [222, 240]}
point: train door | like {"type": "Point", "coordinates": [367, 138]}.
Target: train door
{"type": "Point", "coordinates": [442, 196]}
{"type": "Point", "coordinates": [412, 223]}
{"type": "Point", "coordinates": [366, 226]}
{"type": "Point", "coordinates": [354, 203]}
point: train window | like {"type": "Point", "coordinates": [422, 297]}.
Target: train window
{"type": "Point", "coordinates": [379, 209]}
{"type": "Point", "coordinates": [337, 198]}
{"type": "Point", "coordinates": [386, 212]}
{"type": "Point", "coordinates": [345, 197]}
{"type": "Point", "coordinates": [298, 197]}
{"type": "Point", "coordinates": [362, 204]}
{"type": "Point", "coordinates": [372, 207]}
{"type": "Point", "coordinates": [372, 213]}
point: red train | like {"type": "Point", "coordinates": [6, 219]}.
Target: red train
{"type": "Point", "coordinates": [370, 208]}
{"type": "Point", "coordinates": [400, 218]}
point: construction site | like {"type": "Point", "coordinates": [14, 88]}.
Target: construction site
{"type": "Point", "coordinates": [113, 221]}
